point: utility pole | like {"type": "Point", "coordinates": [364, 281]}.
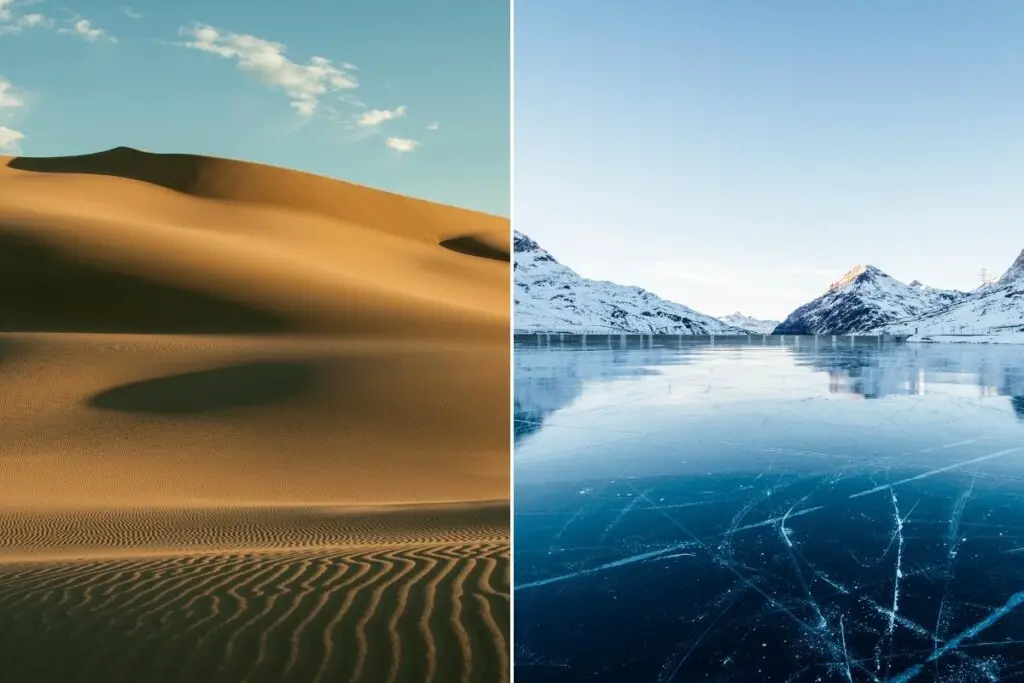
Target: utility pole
{"type": "Point", "coordinates": [984, 276]}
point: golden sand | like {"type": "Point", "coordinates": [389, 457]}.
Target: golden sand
{"type": "Point", "coordinates": [253, 425]}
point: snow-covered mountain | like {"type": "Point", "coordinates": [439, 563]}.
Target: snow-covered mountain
{"type": "Point", "coordinates": [749, 324]}
{"type": "Point", "coordinates": [864, 300]}
{"type": "Point", "coordinates": [552, 297]}
{"type": "Point", "coordinates": [995, 308]}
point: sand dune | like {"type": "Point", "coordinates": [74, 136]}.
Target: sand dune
{"type": "Point", "coordinates": [135, 242]}
{"type": "Point", "coordinates": [217, 381]}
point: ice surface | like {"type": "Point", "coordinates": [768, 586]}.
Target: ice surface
{"type": "Point", "coordinates": [792, 509]}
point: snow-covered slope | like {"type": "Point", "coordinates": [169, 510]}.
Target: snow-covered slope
{"type": "Point", "coordinates": [552, 297]}
{"type": "Point", "coordinates": [863, 300]}
{"type": "Point", "coordinates": [749, 324]}
{"type": "Point", "coordinates": [996, 308]}
{"type": "Point", "coordinates": [1015, 273]}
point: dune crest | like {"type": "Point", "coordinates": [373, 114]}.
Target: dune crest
{"type": "Point", "coordinates": [188, 244]}
{"type": "Point", "coordinates": [252, 183]}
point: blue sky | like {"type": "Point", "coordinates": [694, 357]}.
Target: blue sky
{"type": "Point", "coordinates": [406, 96]}
{"type": "Point", "coordinates": [741, 155]}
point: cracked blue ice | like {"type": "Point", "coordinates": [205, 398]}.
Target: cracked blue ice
{"type": "Point", "coordinates": [769, 512]}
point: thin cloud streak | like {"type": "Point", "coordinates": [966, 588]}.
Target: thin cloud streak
{"type": "Point", "coordinates": [305, 84]}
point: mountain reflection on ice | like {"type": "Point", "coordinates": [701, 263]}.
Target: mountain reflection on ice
{"type": "Point", "coordinates": [737, 511]}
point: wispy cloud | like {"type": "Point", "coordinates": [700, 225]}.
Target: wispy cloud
{"type": "Point", "coordinates": [129, 12]}
{"type": "Point", "coordinates": [304, 84]}
{"type": "Point", "coordinates": [85, 29]}
{"type": "Point", "coordinates": [433, 125]}
{"type": "Point", "coordinates": [9, 139]}
{"type": "Point", "coordinates": [402, 145]}
{"type": "Point", "coordinates": [375, 117]}
{"type": "Point", "coordinates": [313, 88]}
{"type": "Point", "coordinates": [36, 19]}
{"type": "Point", "coordinates": [9, 99]}
{"type": "Point", "coordinates": [12, 22]}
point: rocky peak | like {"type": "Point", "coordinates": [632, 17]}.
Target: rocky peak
{"type": "Point", "coordinates": [521, 244]}
{"type": "Point", "coordinates": [1015, 272]}
{"type": "Point", "coordinates": [859, 273]}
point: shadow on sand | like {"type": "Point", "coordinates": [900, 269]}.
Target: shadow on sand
{"type": "Point", "coordinates": [44, 290]}
{"type": "Point", "coordinates": [471, 245]}
{"type": "Point", "coordinates": [207, 391]}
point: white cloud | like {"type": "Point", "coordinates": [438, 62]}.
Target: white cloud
{"type": "Point", "coordinates": [129, 12]}
{"type": "Point", "coordinates": [8, 100]}
{"type": "Point", "coordinates": [33, 20]}
{"type": "Point", "coordinates": [9, 139]}
{"type": "Point", "coordinates": [85, 29]}
{"type": "Point", "coordinates": [303, 83]}
{"type": "Point", "coordinates": [433, 125]}
{"type": "Point", "coordinates": [375, 117]}
{"type": "Point", "coordinates": [402, 144]}
{"type": "Point", "coordinates": [11, 23]}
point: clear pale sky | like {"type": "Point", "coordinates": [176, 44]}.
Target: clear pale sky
{"type": "Point", "coordinates": [741, 155]}
{"type": "Point", "coordinates": [407, 96]}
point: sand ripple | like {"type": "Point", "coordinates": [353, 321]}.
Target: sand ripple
{"type": "Point", "coordinates": [84, 533]}
{"type": "Point", "coordinates": [430, 602]}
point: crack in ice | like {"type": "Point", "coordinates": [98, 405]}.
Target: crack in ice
{"type": "Point", "coordinates": [846, 652]}
{"type": "Point", "coordinates": [932, 449]}
{"type": "Point", "coordinates": [1015, 601]}
{"type": "Point", "coordinates": [663, 553]}
{"type": "Point", "coordinates": [782, 524]}
{"type": "Point", "coordinates": [953, 540]}
{"type": "Point", "coordinates": [775, 520]}
{"type": "Point", "coordinates": [622, 513]}
{"type": "Point", "coordinates": [939, 470]}
{"type": "Point", "coordinates": [899, 559]}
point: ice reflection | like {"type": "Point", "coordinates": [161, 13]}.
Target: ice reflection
{"type": "Point", "coordinates": [688, 511]}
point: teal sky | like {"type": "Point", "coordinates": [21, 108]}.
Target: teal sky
{"type": "Point", "coordinates": [743, 154]}
{"type": "Point", "coordinates": [406, 96]}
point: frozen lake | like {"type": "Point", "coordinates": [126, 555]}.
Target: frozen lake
{"type": "Point", "coordinates": [792, 509]}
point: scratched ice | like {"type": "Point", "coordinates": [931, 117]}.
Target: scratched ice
{"type": "Point", "coordinates": [781, 510]}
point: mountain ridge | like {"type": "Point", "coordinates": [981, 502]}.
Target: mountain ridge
{"type": "Point", "coordinates": [864, 299]}
{"type": "Point", "coordinates": [995, 307]}
{"type": "Point", "coordinates": [551, 297]}
{"type": "Point", "coordinates": [752, 325]}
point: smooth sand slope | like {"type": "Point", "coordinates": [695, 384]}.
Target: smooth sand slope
{"type": "Point", "coordinates": [252, 413]}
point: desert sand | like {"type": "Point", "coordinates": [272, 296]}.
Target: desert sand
{"type": "Point", "coordinates": [253, 426]}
